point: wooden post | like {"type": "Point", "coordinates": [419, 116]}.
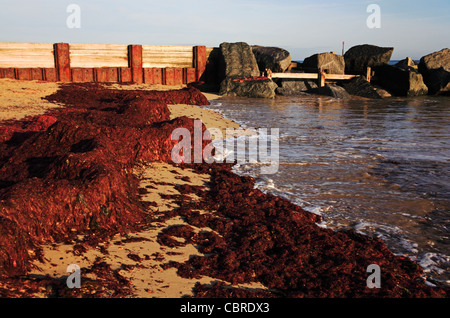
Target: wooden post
{"type": "Point", "coordinates": [369, 74]}
{"type": "Point", "coordinates": [199, 61]}
{"type": "Point", "coordinates": [62, 61]}
{"type": "Point", "coordinates": [321, 78]}
{"type": "Point", "coordinates": [135, 63]}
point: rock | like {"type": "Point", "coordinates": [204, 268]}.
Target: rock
{"type": "Point", "coordinates": [400, 82]}
{"type": "Point", "coordinates": [332, 90]}
{"type": "Point", "coordinates": [288, 87]}
{"type": "Point", "coordinates": [407, 64]}
{"type": "Point", "coordinates": [435, 68]}
{"type": "Point", "coordinates": [276, 59]}
{"type": "Point", "coordinates": [248, 87]}
{"type": "Point", "coordinates": [359, 57]}
{"type": "Point", "coordinates": [238, 60]}
{"type": "Point", "coordinates": [331, 63]}
{"type": "Point", "coordinates": [359, 86]}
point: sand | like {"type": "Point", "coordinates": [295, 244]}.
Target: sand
{"type": "Point", "coordinates": [19, 99]}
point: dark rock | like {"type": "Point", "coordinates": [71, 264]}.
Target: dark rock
{"type": "Point", "coordinates": [359, 57]}
{"type": "Point", "coordinates": [435, 68]}
{"type": "Point", "coordinates": [359, 86]}
{"type": "Point", "coordinates": [407, 64]}
{"type": "Point", "coordinates": [276, 59]}
{"type": "Point", "coordinates": [248, 87]}
{"type": "Point", "coordinates": [400, 82]}
{"type": "Point", "coordinates": [331, 63]}
{"type": "Point", "coordinates": [288, 87]}
{"type": "Point", "coordinates": [331, 90]}
{"type": "Point", "coordinates": [239, 60]}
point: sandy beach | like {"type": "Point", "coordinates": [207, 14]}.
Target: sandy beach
{"type": "Point", "coordinates": [136, 256]}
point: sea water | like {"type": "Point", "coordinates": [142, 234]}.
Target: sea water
{"type": "Point", "coordinates": [380, 167]}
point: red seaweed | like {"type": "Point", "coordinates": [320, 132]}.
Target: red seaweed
{"type": "Point", "coordinates": [69, 172]}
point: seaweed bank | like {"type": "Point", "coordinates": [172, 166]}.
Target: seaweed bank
{"type": "Point", "coordinates": [93, 181]}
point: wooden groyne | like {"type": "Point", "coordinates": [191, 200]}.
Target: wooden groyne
{"type": "Point", "coordinates": [320, 76]}
{"type": "Point", "coordinates": [66, 62]}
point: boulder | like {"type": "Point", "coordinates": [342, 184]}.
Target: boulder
{"type": "Point", "coordinates": [331, 90]}
{"type": "Point", "coordinates": [400, 82]}
{"type": "Point", "coordinates": [435, 68]}
{"type": "Point", "coordinates": [288, 87]}
{"type": "Point", "coordinates": [248, 87]}
{"type": "Point", "coordinates": [407, 64]}
{"type": "Point", "coordinates": [359, 57]}
{"type": "Point", "coordinates": [331, 63]}
{"type": "Point", "coordinates": [359, 86]}
{"type": "Point", "coordinates": [276, 59]}
{"type": "Point", "coordinates": [238, 60]}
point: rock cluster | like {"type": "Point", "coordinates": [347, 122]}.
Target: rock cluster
{"type": "Point", "coordinates": [244, 68]}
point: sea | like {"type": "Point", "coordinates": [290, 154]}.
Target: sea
{"type": "Point", "coordinates": [379, 167]}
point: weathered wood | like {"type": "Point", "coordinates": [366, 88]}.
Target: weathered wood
{"type": "Point", "coordinates": [153, 76]}
{"type": "Point", "coordinates": [369, 74]}
{"type": "Point", "coordinates": [135, 62]}
{"type": "Point", "coordinates": [321, 78]}
{"type": "Point", "coordinates": [62, 61]}
{"type": "Point", "coordinates": [200, 60]}
{"type": "Point", "coordinates": [189, 76]}
{"type": "Point", "coordinates": [50, 74]}
{"type": "Point", "coordinates": [26, 55]}
{"type": "Point", "coordinates": [312, 76]}
{"type": "Point", "coordinates": [98, 55]}
{"type": "Point", "coordinates": [158, 56]}
{"type": "Point", "coordinates": [125, 75]}
{"type": "Point", "coordinates": [295, 75]}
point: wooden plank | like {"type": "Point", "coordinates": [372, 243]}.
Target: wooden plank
{"type": "Point", "coordinates": [50, 74]}
{"type": "Point", "coordinates": [23, 74]}
{"type": "Point", "coordinates": [37, 74]}
{"type": "Point", "coordinates": [178, 76]}
{"type": "Point", "coordinates": [169, 76]}
{"type": "Point", "coordinates": [339, 76]}
{"type": "Point", "coordinates": [26, 55]}
{"type": "Point", "coordinates": [295, 75]}
{"type": "Point", "coordinates": [77, 75]}
{"type": "Point", "coordinates": [312, 76]}
{"type": "Point", "coordinates": [125, 75]}
{"type": "Point", "coordinates": [157, 56]}
{"type": "Point", "coordinates": [9, 72]}
{"type": "Point", "coordinates": [99, 55]}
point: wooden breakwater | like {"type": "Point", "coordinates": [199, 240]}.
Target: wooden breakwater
{"type": "Point", "coordinates": [66, 62]}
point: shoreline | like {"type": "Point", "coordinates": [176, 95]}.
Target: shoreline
{"type": "Point", "coordinates": [194, 227]}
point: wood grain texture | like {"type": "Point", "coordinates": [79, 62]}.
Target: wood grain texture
{"type": "Point", "coordinates": [98, 55]}
{"type": "Point", "coordinates": [26, 55]}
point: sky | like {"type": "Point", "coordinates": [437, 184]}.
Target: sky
{"type": "Point", "coordinates": [414, 28]}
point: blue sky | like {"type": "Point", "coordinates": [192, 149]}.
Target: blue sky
{"type": "Point", "coordinates": [413, 28]}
